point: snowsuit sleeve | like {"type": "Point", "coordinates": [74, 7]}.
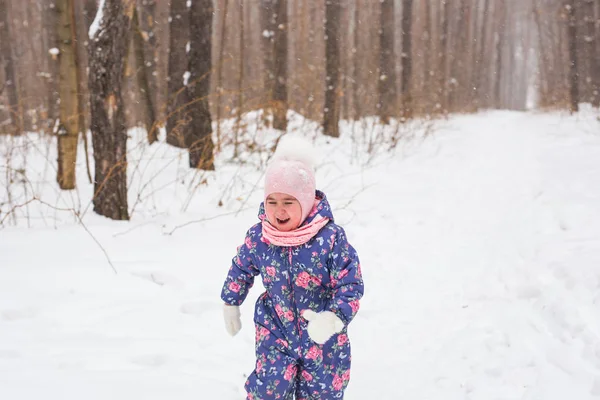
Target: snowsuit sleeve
{"type": "Point", "coordinates": [346, 279]}
{"type": "Point", "coordinates": [240, 277]}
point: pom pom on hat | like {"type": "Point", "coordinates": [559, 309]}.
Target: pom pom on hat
{"type": "Point", "coordinates": [291, 171]}
{"type": "Point", "coordinates": [296, 148]}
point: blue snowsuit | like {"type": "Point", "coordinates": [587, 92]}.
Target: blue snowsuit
{"type": "Point", "coordinates": [322, 275]}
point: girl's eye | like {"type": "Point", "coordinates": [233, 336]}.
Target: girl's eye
{"type": "Point", "coordinates": [288, 203]}
{"type": "Point", "coordinates": [271, 203]}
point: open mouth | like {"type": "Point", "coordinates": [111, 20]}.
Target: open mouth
{"type": "Point", "coordinates": [282, 221]}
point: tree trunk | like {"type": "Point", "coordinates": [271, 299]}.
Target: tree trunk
{"type": "Point", "coordinates": [314, 55]}
{"type": "Point", "coordinates": [220, 63]}
{"type": "Point", "coordinates": [241, 66]}
{"type": "Point", "coordinates": [51, 62]}
{"type": "Point", "coordinates": [108, 51]}
{"type": "Point", "coordinates": [466, 77]}
{"type": "Point", "coordinates": [143, 80]}
{"type": "Point", "coordinates": [591, 52]}
{"type": "Point", "coordinates": [10, 83]}
{"type": "Point", "coordinates": [199, 138]}
{"type": "Point", "coordinates": [542, 53]}
{"type": "Point", "coordinates": [443, 54]}
{"type": "Point", "coordinates": [428, 49]}
{"type": "Point", "coordinates": [148, 28]}
{"type": "Point", "coordinates": [407, 111]}
{"type": "Point", "coordinates": [84, 12]}
{"type": "Point", "coordinates": [481, 64]}
{"type": "Point", "coordinates": [573, 70]}
{"type": "Point", "coordinates": [345, 44]}
{"type": "Point", "coordinates": [561, 68]}
{"type": "Point", "coordinates": [356, 62]}
{"type": "Point", "coordinates": [20, 62]}
{"type": "Point", "coordinates": [268, 19]}
{"type": "Point", "coordinates": [499, 54]}
{"type": "Point", "coordinates": [280, 56]}
{"type": "Point", "coordinates": [90, 8]}
{"type": "Point", "coordinates": [332, 68]}
{"type": "Point", "coordinates": [68, 131]}
{"type": "Point", "coordinates": [177, 113]}
{"type": "Point", "coordinates": [386, 82]}
{"type": "Point", "coordinates": [459, 75]}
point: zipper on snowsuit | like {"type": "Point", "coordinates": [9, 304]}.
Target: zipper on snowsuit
{"type": "Point", "coordinates": [298, 316]}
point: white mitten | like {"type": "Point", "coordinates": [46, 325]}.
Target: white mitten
{"type": "Point", "coordinates": [323, 325]}
{"type": "Point", "coordinates": [233, 323]}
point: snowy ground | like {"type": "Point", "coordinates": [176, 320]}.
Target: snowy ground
{"type": "Point", "coordinates": [480, 248]}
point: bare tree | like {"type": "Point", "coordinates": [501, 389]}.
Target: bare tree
{"type": "Point", "coordinates": [108, 49]}
{"type": "Point", "coordinates": [280, 57]}
{"type": "Point", "coordinates": [267, 32]}
{"type": "Point", "coordinates": [68, 131]}
{"type": "Point", "coordinates": [332, 69]}
{"type": "Point", "coordinates": [148, 26]}
{"type": "Point", "coordinates": [220, 65]}
{"type": "Point", "coordinates": [143, 79]}
{"type": "Point", "coordinates": [387, 62]}
{"type": "Point", "coordinates": [84, 12]}
{"type": "Point", "coordinates": [459, 96]}
{"type": "Point", "coordinates": [500, 26]}
{"type": "Point", "coordinates": [592, 51]}
{"type": "Point", "coordinates": [480, 64]}
{"type": "Point", "coordinates": [50, 62]}
{"type": "Point", "coordinates": [199, 138]}
{"type": "Point", "coordinates": [275, 54]}
{"type": "Point", "coordinates": [406, 58]}
{"type": "Point", "coordinates": [177, 112]}
{"type": "Point", "coordinates": [462, 56]}
{"type": "Point", "coordinates": [443, 56]}
{"type": "Point", "coordinates": [356, 62]}
{"type": "Point", "coordinates": [240, 102]}
{"type": "Point", "coordinates": [573, 70]}
{"type": "Point", "coordinates": [428, 46]}
{"type": "Point", "coordinates": [6, 56]}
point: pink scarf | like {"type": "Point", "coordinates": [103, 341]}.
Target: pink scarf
{"type": "Point", "coordinates": [297, 236]}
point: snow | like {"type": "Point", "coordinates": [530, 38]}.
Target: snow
{"type": "Point", "coordinates": [479, 238]}
{"type": "Point", "coordinates": [97, 20]}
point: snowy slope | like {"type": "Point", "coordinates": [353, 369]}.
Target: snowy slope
{"type": "Point", "coordinates": [480, 247]}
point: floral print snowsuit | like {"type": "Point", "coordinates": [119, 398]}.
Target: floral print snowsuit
{"type": "Point", "coordinates": [322, 275]}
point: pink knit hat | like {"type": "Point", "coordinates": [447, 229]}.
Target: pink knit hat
{"type": "Point", "coordinates": [291, 172]}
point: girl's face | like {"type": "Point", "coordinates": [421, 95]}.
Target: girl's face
{"type": "Point", "coordinates": [283, 211]}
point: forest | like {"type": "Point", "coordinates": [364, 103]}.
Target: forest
{"type": "Point", "coordinates": [87, 71]}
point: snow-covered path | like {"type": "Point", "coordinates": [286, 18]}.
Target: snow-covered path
{"type": "Point", "coordinates": [480, 249]}
{"type": "Point", "coordinates": [486, 240]}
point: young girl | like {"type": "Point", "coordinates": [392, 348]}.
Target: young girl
{"type": "Point", "coordinates": [313, 286]}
